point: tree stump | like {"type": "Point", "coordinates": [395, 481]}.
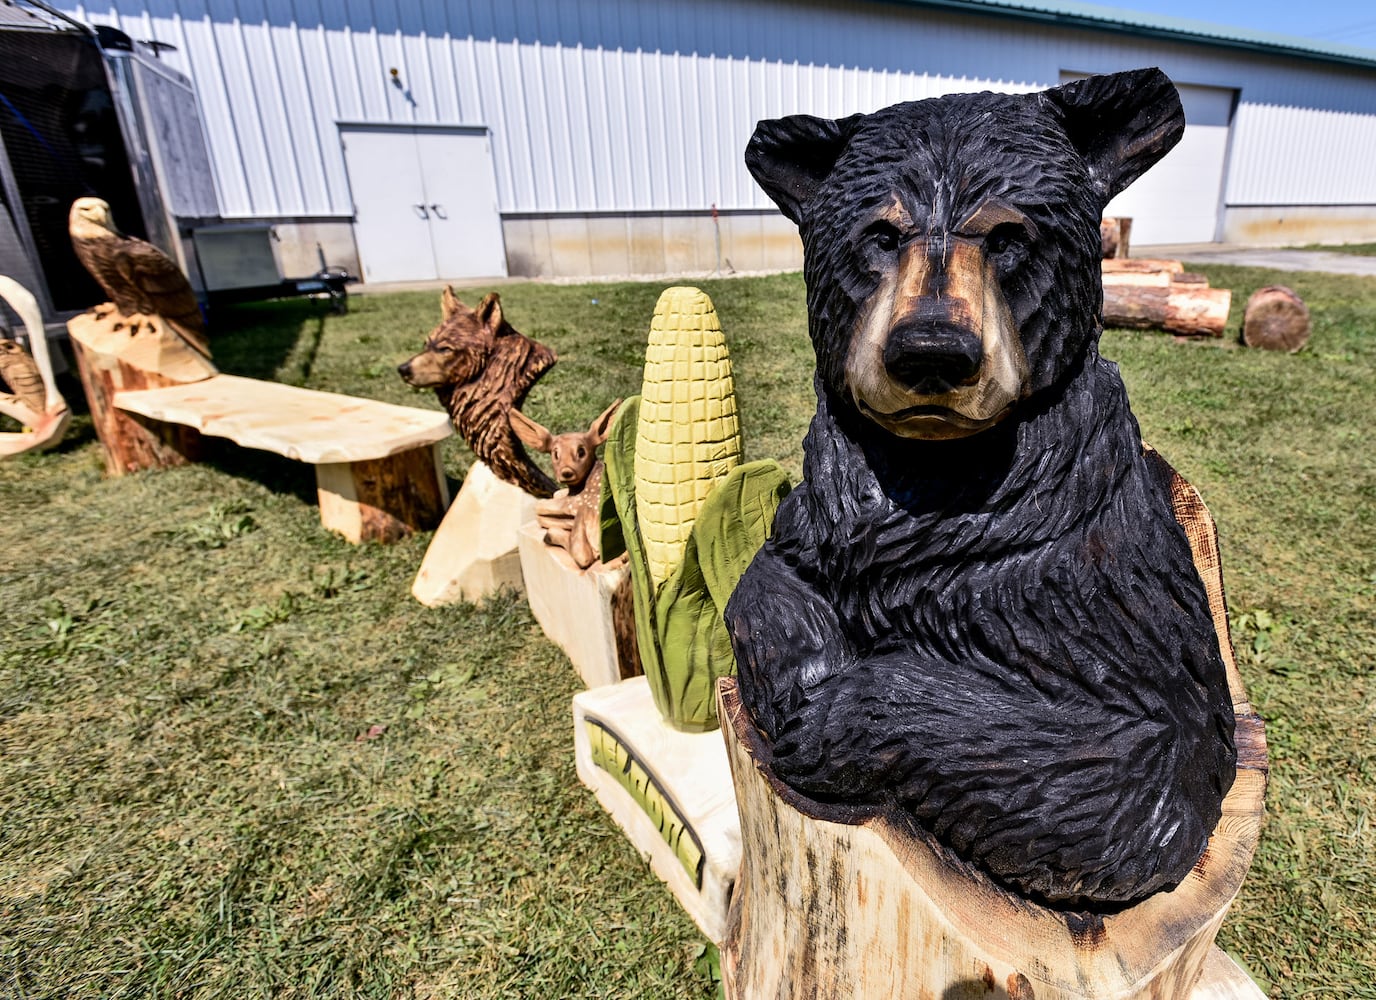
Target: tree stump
{"type": "Point", "coordinates": [1275, 319]}
{"type": "Point", "coordinates": [834, 901]}
{"type": "Point", "coordinates": [113, 357]}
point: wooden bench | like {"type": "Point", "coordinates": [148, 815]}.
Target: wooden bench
{"type": "Point", "coordinates": [377, 465]}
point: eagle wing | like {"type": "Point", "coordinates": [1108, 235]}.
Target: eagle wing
{"type": "Point", "coordinates": [161, 288]}
{"type": "Point", "coordinates": [141, 279]}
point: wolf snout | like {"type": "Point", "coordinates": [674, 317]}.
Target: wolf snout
{"type": "Point", "coordinates": [933, 358]}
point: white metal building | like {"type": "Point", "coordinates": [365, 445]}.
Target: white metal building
{"type": "Point", "coordinates": [451, 138]}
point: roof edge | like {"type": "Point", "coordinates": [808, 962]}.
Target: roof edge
{"type": "Point", "coordinates": [1155, 26]}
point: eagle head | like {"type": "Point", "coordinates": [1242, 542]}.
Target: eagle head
{"type": "Point", "coordinates": [90, 218]}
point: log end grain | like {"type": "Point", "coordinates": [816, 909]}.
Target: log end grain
{"type": "Point", "coordinates": [1276, 319]}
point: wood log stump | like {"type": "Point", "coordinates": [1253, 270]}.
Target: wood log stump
{"type": "Point", "coordinates": [1114, 236]}
{"type": "Point", "coordinates": [1276, 319]}
{"type": "Point", "coordinates": [1190, 310]}
{"type": "Point", "coordinates": [111, 357]}
{"type": "Point", "coordinates": [836, 901]}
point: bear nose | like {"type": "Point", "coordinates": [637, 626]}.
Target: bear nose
{"type": "Point", "coordinates": [932, 358]}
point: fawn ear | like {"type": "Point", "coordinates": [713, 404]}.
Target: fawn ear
{"type": "Point", "coordinates": [451, 302]}
{"type": "Point", "coordinates": [599, 428]}
{"type": "Point", "coordinates": [532, 435]}
{"type": "Point", "coordinates": [490, 311]}
{"type": "Point", "coordinates": [1121, 123]}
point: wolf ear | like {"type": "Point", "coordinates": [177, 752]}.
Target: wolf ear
{"type": "Point", "coordinates": [1121, 123]}
{"type": "Point", "coordinates": [450, 302]}
{"type": "Point", "coordinates": [489, 311]}
{"type": "Point", "coordinates": [791, 157]}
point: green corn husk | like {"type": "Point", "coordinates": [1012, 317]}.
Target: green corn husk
{"type": "Point", "coordinates": [683, 641]}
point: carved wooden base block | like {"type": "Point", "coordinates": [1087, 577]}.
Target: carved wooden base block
{"type": "Point", "coordinates": [833, 904]}
{"type": "Point", "coordinates": [384, 499]}
{"type": "Point", "coordinates": [148, 356]}
{"type": "Point", "coordinates": [669, 791]}
{"type": "Point", "coordinates": [573, 606]}
{"type": "Point", "coordinates": [474, 551]}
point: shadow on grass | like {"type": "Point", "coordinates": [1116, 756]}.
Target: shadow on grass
{"type": "Point", "coordinates": [276, 340]}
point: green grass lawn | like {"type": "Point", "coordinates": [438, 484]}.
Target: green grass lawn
{"type": "Point", "coordinates": [1360, 249]}
{"type": "Point", "coordinates": [188, 663]}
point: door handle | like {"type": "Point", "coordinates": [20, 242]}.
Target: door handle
{"type": "Point", "coordinates": [420, 210]}
{"type": "Point", "coordinates": [439, 212]}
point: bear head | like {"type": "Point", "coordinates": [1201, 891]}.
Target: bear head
{"type": "Point", "coordinates": [951, 246]}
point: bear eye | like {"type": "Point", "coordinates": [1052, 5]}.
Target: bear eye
{"type": "Point", "coordinates": [1006, 237]}
{"type": "Point", "coordinates": [884, 236]}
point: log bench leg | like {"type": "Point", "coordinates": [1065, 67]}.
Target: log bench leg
{"type": "Point", "coordinates": [131, 443]}
{"type": "Point", "coordinates": [383, 499]}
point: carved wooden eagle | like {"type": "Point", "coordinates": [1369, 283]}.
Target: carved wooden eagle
{"type": "Point", "coordinates": [140, 279]}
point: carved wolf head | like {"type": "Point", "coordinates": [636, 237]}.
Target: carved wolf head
{"type": "Point", "coordinates": [952, 245]}
{"type": "Point", "coordinates": [458, 349]}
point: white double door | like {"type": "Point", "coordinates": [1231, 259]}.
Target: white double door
{"type": "Point", "coordinates": [425, 202]}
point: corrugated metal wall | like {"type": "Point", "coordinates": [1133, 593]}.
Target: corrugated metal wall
{"type": "Point", "coordinates": [635, 105]}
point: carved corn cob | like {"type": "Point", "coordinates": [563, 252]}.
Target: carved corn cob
{"type": "Point", "coordinates": [689, 436]}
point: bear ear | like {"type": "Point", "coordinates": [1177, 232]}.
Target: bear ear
{"type": "Point", "coordinates": [1121, 123]}
{"type": "Point", "coordinates": [791, 157]}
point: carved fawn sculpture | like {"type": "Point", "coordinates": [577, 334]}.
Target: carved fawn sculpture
{"type": "Point", "coordinates": [481, 368]}
{"type": "Point", "coordinates": [571, 517]}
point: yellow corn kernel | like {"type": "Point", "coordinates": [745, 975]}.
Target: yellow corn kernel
{"type": "Point", "coordinates": [689, 434]}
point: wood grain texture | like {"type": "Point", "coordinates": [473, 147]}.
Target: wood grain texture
{"type": "Point", "coordinates": [303, 424]}
{"type": "Point", "coordinates": [475, 549]}
{"type": "Point", "coordinates": [113, 358]}
{"type": "Point", "coordinates": [1275, 319]}
{"type": "Point", "coordinates": [140, 279]}
{"type": "Point", "coordinates": [383, 499]}
{"type": "Point", "coordinates": [836, 903]}
{"type": "Point", "coordinates": [573, 605]}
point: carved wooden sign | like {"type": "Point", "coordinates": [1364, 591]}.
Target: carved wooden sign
{"type": "Point", "coordinates": [481, 368]}
{"type": "Point", "coordinates": [978, 608]}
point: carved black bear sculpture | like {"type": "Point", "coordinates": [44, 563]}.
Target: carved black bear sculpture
{"type": "Point", "coordinates": [977, 607]}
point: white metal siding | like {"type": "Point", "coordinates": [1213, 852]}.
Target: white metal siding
{"type": "Point", "coordinates": [627, 105]}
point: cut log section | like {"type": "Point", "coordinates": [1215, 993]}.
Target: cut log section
{"type": "Point", "coordinates": [1275, 319]}
{"type": "Point", "coordinates": [833, 901]}
{"type": "Point", "coordinates": [113, 357]}
{"type": "Point", "coordinates": [1143, 265]}
{"type": "Point", "coordinates": [1186, 309]}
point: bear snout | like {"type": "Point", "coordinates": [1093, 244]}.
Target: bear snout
{"type": "Point", "coordinates": [933, 358]}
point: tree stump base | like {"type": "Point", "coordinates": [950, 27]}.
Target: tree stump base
{"type": "Point", "coordinates": [474, 552]}
{"type": "Point", "coordinates": [113, 356]}
{"type": "Point", "coordinates": [574, 607]}
{"type": "Point", "coordinates": [669, 791]}
{"type": "Point", "coordinates": [838, 901]}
